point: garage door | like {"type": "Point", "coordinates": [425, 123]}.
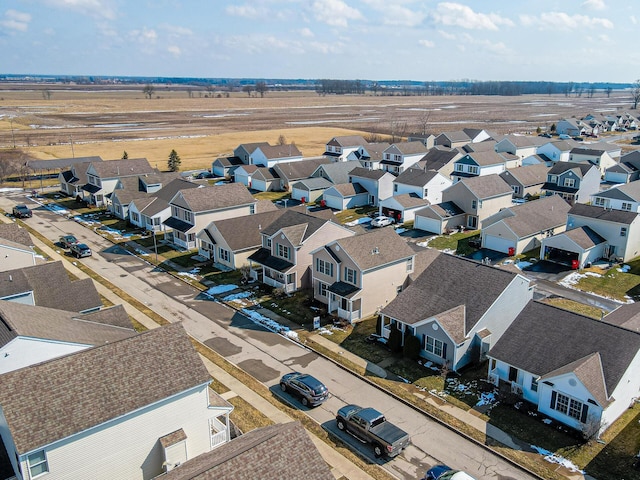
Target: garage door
{"type": "Point", "coordinates": [430, 225]}
{"type": "Point", "coordinates": [298, 193]}
{"type": "Point", "coordinates": [498, 244]}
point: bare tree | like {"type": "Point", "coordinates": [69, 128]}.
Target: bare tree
{"type": "Point", "coordinates": [608, 90]}
{"type": "Point", "coordinates": [282, 140]}
{"type": "Point", "coordinates": [261, 88]}
{"type": "Point", "coordinates": [148, 90]}
{"type": "Point", "coordinates": [46, 94]}
{"type": "Point", "coordinates": [7, 166]}
{"type": "Point", "coordinates": [591, 90]}
{"type": "Point", "coordinates": [635, 92]}
{"type": "Point", "coordinates": [423, 121]}
{"type": "Point", "coordinates": [210, 89]}
{"type": "Point", "coordinates": [247, 89]}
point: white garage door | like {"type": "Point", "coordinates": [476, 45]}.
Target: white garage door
{"type": "Point", "coordinates": [498, 244]}
{"type": "Point", "coordinates": [334, 202]}
{"type": "Point", "coordinates": [298, 193]}
{"type": "Point", "coordinates": [430, 225]}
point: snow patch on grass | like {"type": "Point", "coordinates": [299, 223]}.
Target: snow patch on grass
{"type": "Point", "coordinates": [553, 458]}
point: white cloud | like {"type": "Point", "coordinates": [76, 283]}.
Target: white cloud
{"type": "Point", "coordinates": [447, 35]}
{"type": "Point", "coordinates": [498, 48]}
{"type": "Point", "coordinates": [458, 15]}
{"type": "Point", "coordinates": [174, 50]}
{"type": "Point", "coordinates": [562, 21]}
{"type": "Point", "coordinates": [146, 36]}
{"type": "Point", "coordinates": [258, 44]}
{"type": "Point", "coordinates": [93, 8]}
{"type": "Point", "coordinates": [175, 30]}
{"type": "Point", "coordinates": [426, 43]}
{"type": "Point", "coordinates": [306, 32]}
{"type": "Point", "coordinates": [394, 12]}
{"type": "Point", "coordinates": [335, 12]}
{"type": "Point", "coordinates": [246, 11]}
{"type": "Point", "coordinates": [15, 20]}
{"type": "Point", "coordinates": [594, 5]}
{"type": "Point", "coordinates": [327, 48]}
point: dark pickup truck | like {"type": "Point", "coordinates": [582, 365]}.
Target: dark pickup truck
{"type": "Point", "coordinates": [370, 426]}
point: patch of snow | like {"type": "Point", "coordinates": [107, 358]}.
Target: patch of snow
{"type": "Point", "coordinates": [624, 269]}
{"type": "Point", "coordinates": [573, 278]}
{"type": "Point", "coordinates": [423, 244]}
{"type": "Point", "coordinates": [237, 296]}
{"type": "Point", "coordinates": [358, 221]}
{"type": "Point", "coordinates": [218, 289]}
{"type": "Point", "coordinates": [188, 274]}
{"type": "Point", "coordinates": [55, 208]}
{"type": "Point", "coordinates": [10, 189]}
{"type": "Point", "coordinates": [270, 324]}
{"type": "Point", "coordinates": [488, 398]}
{"type": "Point", "coordinates": [324, 331]}
{"type": "Point", "coordinates": [553, 458]}
{"type": "Point", "coordinates": [522, 265]}
{"type": "Point", "coordinates": [548, 421]}
{"type": "Point", "coordinates": [141, 252]}
{"type": "Point", "coordinates": [400, 230]}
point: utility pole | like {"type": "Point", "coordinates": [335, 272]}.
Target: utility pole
{"type": "Point", "coordinates": [13, 138]}
{"type": "Point", "coordinates": [73, 155]}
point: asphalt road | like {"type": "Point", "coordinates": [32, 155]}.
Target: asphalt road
{"type": "Point", "coordinates": [267, 356]}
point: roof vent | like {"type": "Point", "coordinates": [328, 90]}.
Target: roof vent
{"type": "Point", "coordinates": [375, 251]}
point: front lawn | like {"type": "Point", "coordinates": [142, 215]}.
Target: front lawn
{"type": "Point", "coordinates": [573, 306]}
{"type": "Point", "coordinates": [456, 242]}
{"type": "Point", "coordinates": [353, 214]}
{"type": "Point", "coordinates": [612, 283]}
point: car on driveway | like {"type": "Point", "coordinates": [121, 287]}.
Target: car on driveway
{"type": "Point", "coordinates": [80, 250]}
{"type": "Point", "coordinates": [442, 472]}
{"type": "Point", "coordinates": [311, 391]}
{"type": "Point", "coordinates": [67, 240]}
{"type": "Point", "coordinates": [22, 211]}
{"type": "Point", "coordinates": [381, 221]}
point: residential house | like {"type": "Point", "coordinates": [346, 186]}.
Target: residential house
{"type": "Point", "coordinates": [130, 188]}
{"type": "Point", "coordinates": [521, 228]}
{"type": "Point", "coordinates": [72, 180]}
{"type": "Point", "coordinates": [356, 276]}
{"type": "Point", "coordinates": [230, 242]}
{"type": "Point", "coordinates": [323, 178]}
{"type": "Point", "coordinates": [244, 151]}
{"type": "Point", "coordinates": [460, 138]}
{"type": "Point", "coordinates": [440, 159]}
{"type": "Point", "coordinates": [522, 146]}
{"type": "Point", "coordinates": [573, 127]}
{"type": "Point", "coordinates": [48, 285]}
{"type": "Point", "coordinates": [400, 156]}
{"type": "Point", "coordinates": [262, 179]}
{"type": "Point", "coordinates": [627, 170]}
{"type": "Point", "coordinates": [594, 233]}
{"type": "Point", "coordinates": [291, 172]}
{"type": "Point", "coordinates": [488, 162]}
{"type": "Point", "coordinates": [284, 259]}
{"type": "Point", "coordinates": [575, 182]}
{"type": "Point", "coordinates": [599, 158]}
{"type": "Point", "coordinates": [557, 150]}
{"type": "Point", "coordinates": [613, 150]}
{"type": "Point", "coordinates": [427, 184]}
{"type": "Point", "coordinates": [270, 155]}
{"type": "Point", "coordinates": [577, 370]}
{"type": "Point", "coordinates": [161, 414]}
{"type": "Point", "coordinates": [103, 177]}
{"type": "Point", "coordinates": [427, 139]}
{"type": "Point", "coordinates": [526, 181]}
{"type": "Point", "coordinates": [457, 308]}
{"type": "Point", "coordinates": [379, 183]}
{"type": "Point", "coordinates": [370, 155]}
{"type": "Point", "coordinates": [194, 208]}
{"type": "Point", "coordinates": [339, 148]}
{"type": "Point", "coordinates": [626, 316]}
{"type": "Point", "coordinates": [151, 211]}
{"type": "Point", "coordinates": [621, 197]}
{"type": "Point", "coordinates": [30, 334]}
{"type": "Point", "coordinates": [224, 167]}
{"type": "Point", "coordinates": [347, 195]}
{"type": "Point", "coordinates": [240, 458]}
{"type": "Point", "coordinates": [403, 207]}
{"type": "Point", "coordinates": [439, 218]}
{"type": "Point", "coordinates": [310, 190]}
{"type": "Point", "coordinates": [16, 247]}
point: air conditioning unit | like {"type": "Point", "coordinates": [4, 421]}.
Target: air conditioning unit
{"type": "Point", "coordinates": [516, 388]}
{"type": "Point", "coordinates": [493, 378]}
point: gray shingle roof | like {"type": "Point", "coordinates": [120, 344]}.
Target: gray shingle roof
{"type": "Point", "coordinates": [599, 213]}
{"type": "Point", "coordinates": [449, 282]}
{"type": "Point", "coordinates": [415, 176]}
{"type": "Point", "coordinates": [438, 157]}
{"type": "Point", "coordinates": [337, 172]}
{"type": "Point", "coordinates": [580, 169]}
{"type": "Point", "coordinates": [298, 226]}
{"type": "Point", "coordinates": [242, 233]}
{"type": "Point", "coordinates": [366, 173]}
{"type": "Point", "coordinates": [122, 168]}
{"type": "Point", "coordinates": [626, 316]}
{"type": "Point", "coordinates": [282, 451]}
{"type": "Point", "coordinates": [486, 186]}
{"type": "Point", "coordinates": [50, 401]}
{"type": "Point", "coordinates": [349, 189]}
{"type": "Point", "coordinates": [410, 200]}
{"type": "Point", "coordinates": [528, 175]}
{"type": "Point", "coordinates": [347, 141]}
{"type": "Point", "coordinates": [301, 169]}
{"type": "Point", "coordinates": [584, 237]}
{"type": "Point", "coordinates": [533, 217]}
{"type": "Point", "coordinates": [217, 197]}
{"type": "Point", "coordinates": [627, 191]}
{"type": "Point", "coordinates": [544, 339]}
{"type": "Point", "coordinates": [16, 234]}
{"type": "Point", "coordinates": [376, 248]}
{"type": "Point", "coordinates": [280, 151]}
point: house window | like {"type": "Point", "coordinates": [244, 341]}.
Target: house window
{"type": "Point", "coordinates": [37, 464]}
{"type": "Point", "coordinates": [513, 374]}
{"type": "Point", "coordinates": [459, 167]}
{"type": "Point", "coordinates": [473, 170]}
{"type": "Point", "coordinates": [553, 179]}
{"type": "Point", "coordinates": [118, 209]}
{"type": "Point", "coordinates": [534, 385]}
{"type": "Point", "coordinates": [599, 202]}
{"type": "Point", "coordinates": [350, 275]}
{"type": "Point", "coordinates": [187, 216]}
{"type": "Point", "coordinates": [623, 231]}
{"type": "Point", "coordinates": [569, 406]}
{"type": "Point", "coordinates": [283, 251]}
{"type": "Point", "coordinates": [425, 194]}
{"type": "Point", "coordinates": [324, 267]}
{"type": "Point", "coordinates": [410, 265]}
{"type": "Point", "coordinates": [322, 289]}
{"type": "Point", "coordinates": [569, 182]}
{"type": "Point", "coordinates": [174, 211]}
{"type": "Point", "coordinates": [135, 217]}
{"type": "Point", "coordinates": [516, 189]}
{"type": "Point", "coordinates": [266, 242]}
{"type": "Point", "coordinates": [224, 255]}
{"type": "Point", "coordinates": [474, 204]}
{"type": "Point", "coordinates": [433, 345]}
{"type": "Point", "coordinates": [626, 206]}
{"type": "Point", "coordinates": [395, 187]}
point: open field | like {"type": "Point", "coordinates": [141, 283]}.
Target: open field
{"type": "Point", "coordinates": [83, 121]}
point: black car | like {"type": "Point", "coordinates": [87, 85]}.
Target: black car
{"type": "Point", "coordinates": [21, 211]}
{"type": "Point", "coordinates": [80, 250]}
{"type": "Point", "coordinates": [311, 391]}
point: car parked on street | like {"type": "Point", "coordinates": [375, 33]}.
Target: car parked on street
{"type": "Point", "coordinates": [80, 250]}
{"type": "Point", "coordinates": [22, 211]}
{"type": "Point", "coordinates": [66, 241]}
{"type": "Point", "coordinates": [381, 221]}
{"type": "Point", "coordinates": [311, 391]}
{"type": "Point", "coordinates": [442, 472]}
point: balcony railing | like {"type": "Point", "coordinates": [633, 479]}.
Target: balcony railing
{"type": "Point", "coordinates": [218, 432]}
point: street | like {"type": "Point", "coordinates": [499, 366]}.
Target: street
{"type": "Point", "coordinates": [267, 356]}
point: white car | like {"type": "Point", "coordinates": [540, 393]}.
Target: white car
{"type": "Point", "coordinates": [381, 221]}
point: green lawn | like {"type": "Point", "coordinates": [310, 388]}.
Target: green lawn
{"type": "Point", "coordinates": [353, 214]}
{"type": "Point", "coordinates": [612, 283]}
{"type": "Point", "coordinates": [577, 307]}
{"type": "Point", "coordinates": [273, 196]}
{"type": "Point", "coordinates": [456, 242]}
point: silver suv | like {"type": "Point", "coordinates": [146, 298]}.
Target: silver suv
{"type": "Point", "coordinates": [311, 391]}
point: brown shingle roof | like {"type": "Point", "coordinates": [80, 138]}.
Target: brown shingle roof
{"type": "Point", "coordinates": [487, 186]}
{"type": "Point", "coordinates": [376, 248]}
{"type": "Point", "coordinates": [528, 175]}
{"type": "Point", "coordinates": [53, 400]}
{"type": "Point", "coordinates": [16, 234]}
{"type": "Point", "coordinates": [300, 169]}
{"type": "Point", "coordinates": [122, 168]}
{"type": "Point", "coordinates": [280, 151]}
{"type": "Point", "coordinates": [217, 197]}
{"type": "Point", "coordinates": [533, 217]}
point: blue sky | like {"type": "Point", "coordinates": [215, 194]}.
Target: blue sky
{"type": "Point", "coordinates": [577, 40]}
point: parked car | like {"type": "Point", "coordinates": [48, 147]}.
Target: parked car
{"type": "Point", "coordinates": [382, 221]}
{"type": "Point", "coordinates": [22, 211]}
{"type": "Point", "coordinates": [80, 250]}
{"type": "Point", "coordinates": [564, 136]}
{"type": "Point", "coordinates": [370, 426]}
{"type": "Point", "coordinates": [442, 472]}
{"type": "Point", "coordinates": [311, 391]}
{"type": "Point", "coordinates": [545, 135]}
{"type": "Point", "coordinates": [67, 240]}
